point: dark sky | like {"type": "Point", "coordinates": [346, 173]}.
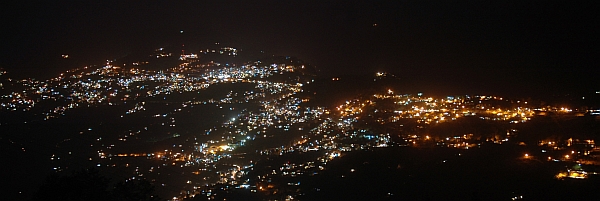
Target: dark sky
{"type": "Point", "coordinates": [483, 41]}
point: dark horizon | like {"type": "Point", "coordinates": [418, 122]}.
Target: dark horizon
{"type": "Point", "coordinates": [462, 47]}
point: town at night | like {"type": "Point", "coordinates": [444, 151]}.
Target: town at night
{"type": "Point", "coordinates": [299, 100]}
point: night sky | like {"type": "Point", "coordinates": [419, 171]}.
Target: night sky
{"type": "Point", "coordinates": [496, 46]}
